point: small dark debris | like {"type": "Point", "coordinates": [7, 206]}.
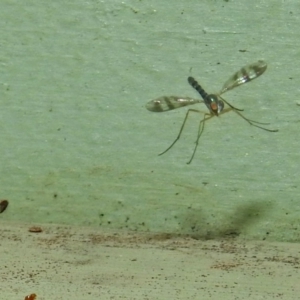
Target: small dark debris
{"type": "Point", "coordinates": [3, 205]}
{"type": "Point", "coordinates": [35, 229]}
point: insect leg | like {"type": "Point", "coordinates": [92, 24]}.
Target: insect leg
{"type": "Point", "coordinates": [230, 105]}
{"type": "Point", "coordinates": [181, 129]}
{"type": "Point", "coordinates": [254, 123]}
{"type": "Point", "coordinates": [200, 131]}
{"type": "Point", "coordinates": [251, 122]}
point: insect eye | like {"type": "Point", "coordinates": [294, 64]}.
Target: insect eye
{"type": "Point", "coordinates": [214, 107]}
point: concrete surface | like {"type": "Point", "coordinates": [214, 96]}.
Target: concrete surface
{"type": "Point", "coordinates": [82, 263]}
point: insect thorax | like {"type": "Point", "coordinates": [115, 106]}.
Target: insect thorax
{"type": "Point", "coordinates": [214, 104]}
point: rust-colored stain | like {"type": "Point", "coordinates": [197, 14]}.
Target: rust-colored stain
{"type": "Point", "coordinates": [30, 297]}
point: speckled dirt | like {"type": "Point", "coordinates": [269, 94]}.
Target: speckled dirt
{"type": "Point", "coordinates": [83, 263]}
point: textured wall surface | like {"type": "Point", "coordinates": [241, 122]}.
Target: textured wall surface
{"type": "Point", "coordinates": [79, 147]}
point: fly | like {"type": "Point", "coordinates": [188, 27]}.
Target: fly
{"type": "Point", "coordinates": [214, 102]}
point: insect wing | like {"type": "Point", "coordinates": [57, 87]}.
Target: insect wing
{"type": "Point", "coordinates": [244, 75]}
{"type": "Point", "coordinates": [166, 103]}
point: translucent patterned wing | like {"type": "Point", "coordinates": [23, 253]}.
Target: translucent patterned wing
{"type": "Point", "coordinates": [244, 75]}
{"type": "Point", "coordinates": [166, 103]}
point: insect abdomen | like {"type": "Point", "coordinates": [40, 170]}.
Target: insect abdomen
{"type": "Point", "coordinates": [197, 87]}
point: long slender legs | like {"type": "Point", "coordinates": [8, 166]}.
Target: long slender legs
{"type": "Point", "coordinates": [207, 116]}
{"type": "Point", "coordinates": [251, 122]}
{"type": "Point", "coordinates": [200, 131]}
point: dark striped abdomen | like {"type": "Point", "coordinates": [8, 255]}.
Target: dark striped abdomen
{"type": "Point", "coordinates": [197, 87]}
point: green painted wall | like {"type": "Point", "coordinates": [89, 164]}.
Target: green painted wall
{"type": "Point", "coordinates": [79, 147]}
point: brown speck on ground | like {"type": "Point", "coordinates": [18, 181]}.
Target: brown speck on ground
{"type": "Point", "coordinates": [35, 229]}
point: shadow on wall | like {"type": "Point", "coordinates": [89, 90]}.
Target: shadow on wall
{"type": "Point", "coordinates": [195, 223]}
